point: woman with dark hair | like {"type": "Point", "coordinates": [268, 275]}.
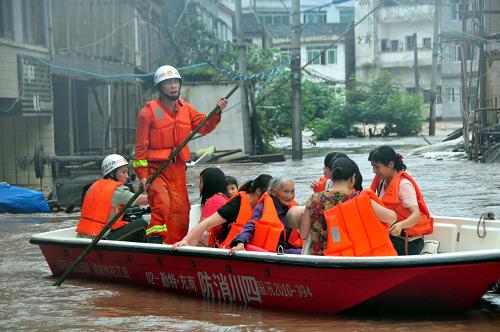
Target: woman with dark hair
{"type": "Point", "coordinates": [212, 191]}
{"type": "Point", "coordinates": [399, 192]}
{"type": "Point", "coordinates": [232, 216]}
{"type": "Point", "coordinates": [213, 195]}
{"type": "Point", "coordinates": [323, 218]}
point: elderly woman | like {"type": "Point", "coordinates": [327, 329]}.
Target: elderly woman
{"type": "Point", "coordinates": [268, 229]}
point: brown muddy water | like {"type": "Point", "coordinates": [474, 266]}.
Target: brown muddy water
{"type": "Point", "coordinates": [452, 186]}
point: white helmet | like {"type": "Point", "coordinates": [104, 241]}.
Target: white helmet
{"type": "Point", "coordinates": [112, 162]}
{"type": "Point", "coordinates": [165, 73]}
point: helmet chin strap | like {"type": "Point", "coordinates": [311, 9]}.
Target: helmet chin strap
{"type": "Point", "coordinates": [174, 98]}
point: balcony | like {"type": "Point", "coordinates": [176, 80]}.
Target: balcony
{"type": "Point", "coordinates": [395, 14]}
{"type": "Point", "coordinates": [405, 58]}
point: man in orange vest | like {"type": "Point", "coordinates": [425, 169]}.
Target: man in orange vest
{"type": "Point", "coordinates": [163, 124]}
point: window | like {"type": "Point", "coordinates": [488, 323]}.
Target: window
{"type": "Point", "coordinates": [427, 43]}
{"type": "Point", "coordinates": [394, 46]}
{"type": "Point", "coordinates": [456, 53]}
{"type": "Point", "coordinates": [385, 46]}
{"type": "Point", "coordinates": [332, 55]}
{"type": "Point", "coordinates": [285, 55]}
{"type": "Point", "coordinates": [450, 95]}
{"type": "Point", "coordinates": [6, 19]}
{"type": "Point", "coordinates": [346, 15]}
{"type": "Point", "coordinates": [315, 18]}
{"type": "Point", "coordinates": [456, 9]}
{"type": "Point", "coordinates": [315, 53]}
{"type": "Point", "coordinates": [411, 42]}
{"type": "Point", "coordinates": [34, 22]}
{"type": "Point", "coordinates": [275, 18]}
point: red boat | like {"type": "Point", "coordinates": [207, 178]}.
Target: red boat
{"type": "Point", "coordinates": [467, 264]}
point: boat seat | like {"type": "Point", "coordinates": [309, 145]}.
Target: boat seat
{"type": "Point", "coordinates": [470, 240]}
{"type": "Point", "coordinates": [446, 235]}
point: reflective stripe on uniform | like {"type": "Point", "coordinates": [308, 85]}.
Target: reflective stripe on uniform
{"type": "Point", "coordinates": [139, 163]}
{"type": "Point", "coordinates": [156, 229]}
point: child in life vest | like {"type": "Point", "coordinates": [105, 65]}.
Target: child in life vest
{"type": "Point", "coordinates": [268, 229]}
{"type": "Point", "coordinates": [213, 195]}
{"type": "Point", "coordinates": [399, 192]}
{"type": "Point", "coordinates": [325, 182]}
{"type": "Point", "coordinates": [105, 198]}
{"type": "Point", "coordinates": [231, 216]}
{"type": "Point", "coordinates": [314, 222]}
{"type": "Point", "coordinates": [231, 185]}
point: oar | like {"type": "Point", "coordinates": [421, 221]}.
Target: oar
{"type": "Point", "coordinates": [141, 189]}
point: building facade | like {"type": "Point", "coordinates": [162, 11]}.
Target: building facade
{"type": "Point", "coordinates": [267, 24]}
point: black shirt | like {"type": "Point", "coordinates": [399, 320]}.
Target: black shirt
{"type": "Point", "coordinates": [229, 212]}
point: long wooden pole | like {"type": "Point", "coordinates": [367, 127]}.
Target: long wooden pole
{"type": "Point", "coordinates": [106, 228]}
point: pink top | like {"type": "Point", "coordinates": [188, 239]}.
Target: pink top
{"type": "Point", "coordinates": [212, 205]}
{"type": "Point", "coordinates": [407, 193]}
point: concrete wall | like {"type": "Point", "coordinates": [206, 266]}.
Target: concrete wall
{"type": "Point", "coordinates": [229, 132]}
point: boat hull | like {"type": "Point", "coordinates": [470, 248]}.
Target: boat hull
{"type": "Point", "coordinates": [290, 282]}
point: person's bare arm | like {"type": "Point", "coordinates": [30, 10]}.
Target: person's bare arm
{"type": "Point", "coordinates": [409, 222]}
{"type": "Point", "coordinates": [305, 223]}
{"type": "Point", "coordinates": [383, 214]}
{"type": "Point", "coordinates": [194, 236]}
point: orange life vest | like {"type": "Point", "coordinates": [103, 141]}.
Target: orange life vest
{"type": "Point", "coordinates": [321, 186]}
{"type": "Point", "coordinates": [168, 130]}
{"type": "Point", "coordinates": [244, 215]}
{"type": "Point", "coordinates": [269, 227]}
{"type": "Point", "coordinates": [391, 201]}
{"type": "Point", "coordinates": [354, 229]}
{"type": "Point", "coordinates": [96, 208]}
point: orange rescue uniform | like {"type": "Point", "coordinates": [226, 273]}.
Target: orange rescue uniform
{"type": "Point", "coordinates": [354, 229]}
{"type": "Point", "coordinates": [159, 132]}
{"type": "Point", "coordinates": [97, 206]}
{"type": "Point", "coordinates": [392, 201]}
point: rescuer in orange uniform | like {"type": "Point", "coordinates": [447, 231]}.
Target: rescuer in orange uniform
{"type": "Point", "coordinates": [163, 124]}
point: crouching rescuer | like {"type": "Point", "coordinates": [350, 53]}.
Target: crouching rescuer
{"type": "Point", "coordinates": [105, 198]}
{"type": "Point", "coordinates": [163, 124]}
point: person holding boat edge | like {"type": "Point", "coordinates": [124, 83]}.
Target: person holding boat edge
{"type": "Point", "coordinates": [104, 199]}
{"type": "Point", "coordinates": [231, 217]}
{"type": "Point", "coordinates": [399, 192]}
{"type": "Point", "coordinates": [163, 124]}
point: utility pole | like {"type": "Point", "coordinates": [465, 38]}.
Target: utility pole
{"type": "Point", "coordinates": [415, 64]}
{"type": "Point", "coordinates": [248, 145]}
{"type": "Point", "coordinates": [465, 90]}
{"type": "Point", "coordinates": [296, 82]}
{"type": "Point", "coordinates": [435, 36]}
{"type": "Point", "coordinates": [483, 95]}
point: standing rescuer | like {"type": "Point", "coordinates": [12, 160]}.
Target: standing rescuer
{"type": "Point", "coordinates": [163, 124]}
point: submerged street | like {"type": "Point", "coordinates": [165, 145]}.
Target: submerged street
{"type": "Point", "coordinates": [452, 186]}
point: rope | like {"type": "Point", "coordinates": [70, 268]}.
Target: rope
{"type": "Point", "coordinates": [482, 221]}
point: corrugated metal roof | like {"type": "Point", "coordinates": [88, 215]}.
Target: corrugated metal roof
{"type": "Point", "coordinates": [252, 25]}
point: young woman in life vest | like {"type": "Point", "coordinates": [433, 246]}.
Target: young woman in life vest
{"type": "Point", "coordinates": [400, 193]}
{"type": "Point", "coordinates": [213, 195]}
{"type": "Point", "coordinates": [314, 223]}
{"type": "Point", "coordinates": [104, 199]}
{"type": "Point", "coordinates": [232, 216]}
{"type": "Point", "coordinates": [268, 228]}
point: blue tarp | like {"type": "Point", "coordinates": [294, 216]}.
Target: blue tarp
{"type": "Point", "coordinates": [15, 199]}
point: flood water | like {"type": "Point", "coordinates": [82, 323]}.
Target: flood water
{"type": "Point", "coordinates": [452, 186]}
